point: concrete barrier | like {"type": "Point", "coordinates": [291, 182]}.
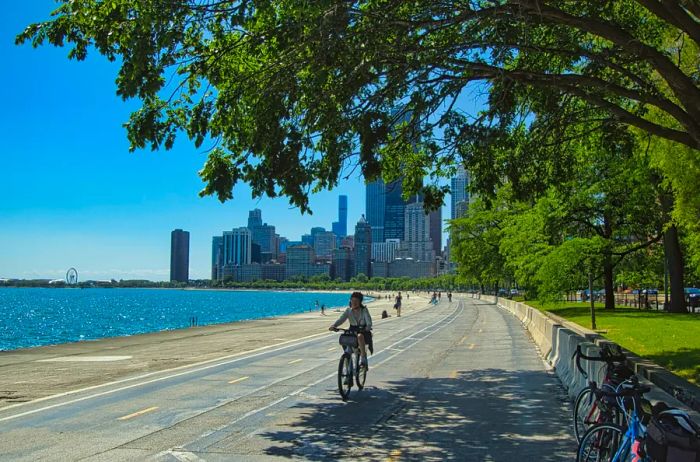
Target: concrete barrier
{"type": "Point", "coordinates": [558, 339]}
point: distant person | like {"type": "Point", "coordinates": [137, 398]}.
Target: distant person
{"type": "Point", "coordinates": [449, 297]}
{"type": "Point", "coordinates": [408, 295]}
{"type": "Point", "coordinates": [397, 305]}
{"type": "Point", "coordinates": [323, 309]}
{"type": "Point", "coordinates": [316, 305]}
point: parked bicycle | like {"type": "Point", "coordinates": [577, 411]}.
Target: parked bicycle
{"type": "Point", "coordinates": [350, 367]}
{"type": "Point", "coordinates": [589, 410]}
{"type": "Point", "coordinates": [610, 442]}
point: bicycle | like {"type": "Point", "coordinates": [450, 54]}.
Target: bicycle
{"type": "Point", "coordinates": [350, 365]}
{"type": "Point", "coordinates": [610, 442]}
{"type": "Point", "coordinates": [587, 411]}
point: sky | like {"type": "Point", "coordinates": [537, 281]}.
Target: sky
{"type": "Point", "coordinates": [71, 194]}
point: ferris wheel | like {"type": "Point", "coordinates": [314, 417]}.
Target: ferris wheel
{"type": "Point", "coordinates": [72, 276]}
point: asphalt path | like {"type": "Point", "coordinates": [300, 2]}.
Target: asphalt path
{"type": "Point", "coordinates": [456, 381]}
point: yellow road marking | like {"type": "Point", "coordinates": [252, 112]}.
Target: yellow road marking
{"type": "Point", "coordinates": [295, 361]}
{"type": "Point", "coordinates": [471, 346]}
{"type": "Point", "coordinates": [136, 414]}
{"type": "Point", "coordinates": [454, 374]}
{"type": "Point", "coordinates": [394, 455]}
{"type": "Point", "coordinates": [240, 379]}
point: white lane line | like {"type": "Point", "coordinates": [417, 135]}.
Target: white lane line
{"type": "Point", "coordinates": [236, 358]}
{"type": "Point", "coordinates": [322, 379]}
{"type": "Point", "coordinates": [238, 355]}
{"type": "Point", "coordinates": [295, 361]}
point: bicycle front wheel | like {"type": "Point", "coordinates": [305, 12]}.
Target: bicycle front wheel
{"type": "Point", "coordinates": [360, 373]}
{"type": "Point", "coordinates": [601, 443]}
{"type": "Point", "coordinates": [345, 376]}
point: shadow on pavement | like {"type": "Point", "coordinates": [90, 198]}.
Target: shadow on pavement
{"type": "Point", "coordinates": [480, 415]}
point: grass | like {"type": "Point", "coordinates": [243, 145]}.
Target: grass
{"type": "Point", "coordinates": [670, 340]}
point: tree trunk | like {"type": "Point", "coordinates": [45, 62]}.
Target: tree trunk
{"type": "Point", "coordinates": [674, 258]}
{"type": "Point", "coordinates": [608, 282]}
{"type": "Point", "coordinates": [607, 263]}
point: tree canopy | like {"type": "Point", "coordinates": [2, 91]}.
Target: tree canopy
{"type": "Point", "coordinates": [296, 94]}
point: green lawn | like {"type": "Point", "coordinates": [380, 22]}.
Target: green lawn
{"type": "Point", "coordinates": [670, 340]}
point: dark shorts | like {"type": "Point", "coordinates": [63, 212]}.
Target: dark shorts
{"type": "Point", "coordinates": [368, 337]}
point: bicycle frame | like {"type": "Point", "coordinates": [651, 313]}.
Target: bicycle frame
{"type": "Point", "coordinates": [635, 428]}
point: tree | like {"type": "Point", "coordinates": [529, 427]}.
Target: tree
{"type": "Point", "coordinates": [290, 91]}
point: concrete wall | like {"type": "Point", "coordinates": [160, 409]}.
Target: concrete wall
{"type": "Point", "coordinates": [557, 340]}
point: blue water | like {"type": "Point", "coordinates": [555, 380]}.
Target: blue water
{"type": "Point", "coordinates": [33, 317]}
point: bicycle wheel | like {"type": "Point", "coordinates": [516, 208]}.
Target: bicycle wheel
{"type": "Point", "coordinates": [345, 376]}
{"type": "Point", "coordinates": [360, 373]}
{"type": "Point", "coordinates": [586, 413]}
{"type": "Point", "coordinates": [601, 443]}
{"type": "Point", "coordinates": [589, 412]}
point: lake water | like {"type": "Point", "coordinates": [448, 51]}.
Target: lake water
{"type": "Point", "coordinates": [33, 317]}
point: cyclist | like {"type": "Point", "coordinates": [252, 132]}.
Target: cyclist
{"type": "Point", "coordinates": [360, 323]}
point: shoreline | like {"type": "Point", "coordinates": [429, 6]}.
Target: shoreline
{"type": "Point", "coordinates": [330, 308]}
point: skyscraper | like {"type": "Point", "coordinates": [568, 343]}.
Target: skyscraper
{"type": "Point", "coordinates": [436, 230]}
{"type": "Point", "coordinates": [418, 244]}
{"type": "Point", "coordinates": [179, 255]}
{"type": "Point", "coordinates": [375, 202]}
{"type": "Point", "coordinates": [217, 256]}
{"type": "Point", "coordinates": [254, 218]}
{"type": "Point", "coordinates": [363, 247]}
{"type": "Point", "coordinates": [460, 193]}
{"type": "Point", "coordinates": [394, 211]}
{"type": "Point", "coordinates": [237, 247]}
{"type": "Point", "coordinates": [340, 227]}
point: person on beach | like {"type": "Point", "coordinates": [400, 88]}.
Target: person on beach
{"type": "Point", "coordinates": [323, 309]}
{"type": "Point", "coordinates": [360, 323]}
{"type": "Point", "coordinates": [316, 304]}
{"type": "Point", "coordinates": [397, 305]}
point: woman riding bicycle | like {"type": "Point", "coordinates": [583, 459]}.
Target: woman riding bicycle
{"type": "Point", "coordinates": [360, 323]}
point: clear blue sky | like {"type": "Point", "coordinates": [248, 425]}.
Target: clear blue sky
{"type": "Point", "coordinates": [71, 195]}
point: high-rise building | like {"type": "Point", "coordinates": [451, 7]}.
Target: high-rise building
{"type": "Point", "coordinates": [254, 218]}
{"type": "Point", "coordinates": [343, 263]}
{"type": "Point", "coordinates": [264, 236]}
{"type": "Point", "coordinates": [300, 260]}
{"type": "Point", "coordinates": [436, 230]}
{"type": "Point", "coordinates": [307, 239]}
{"type": "Point", "coordinates": [417, 244]}
{"type": "Point", "coordinates": [459, 192]}
{"type": "Point", "coordinates": [340, 227]}
{"type": "Point", "coordinates": [237, 247]}
{"type": "Point", "coordinates": [324, 244]}
{"type": "Point", "coordinates": [217, 256]}
{"type": "Point", "coordinates": [180, 255]}
{"type": "Point", "coordinates": [363, 247]}
{"type": "Point", "coordinates": [394, 212]}
{"type": "Point", "coordinates": [375, 202]}
{"type": "Point", "coordinates": [385, 251]}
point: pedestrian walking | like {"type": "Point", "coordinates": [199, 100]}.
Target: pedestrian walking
{"type": "Point", "coordinates": [397, 305]}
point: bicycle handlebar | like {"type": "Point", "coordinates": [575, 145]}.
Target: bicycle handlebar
{"type": "Point", "coordinates": [608, 358]}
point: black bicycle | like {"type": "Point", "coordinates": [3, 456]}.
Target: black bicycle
{"type": "Point", "coordinates": [350, 367]}
{"type": "Point", "coordinates": [590, 409]}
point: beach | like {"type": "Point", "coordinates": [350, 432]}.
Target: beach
{"type": "Point", "coordinates": [34, 373]}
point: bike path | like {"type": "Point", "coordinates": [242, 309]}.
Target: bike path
{"type": "Point", "coordinates": [168, 411]}
{"type": "Point", "coordinates": [473, 388]}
